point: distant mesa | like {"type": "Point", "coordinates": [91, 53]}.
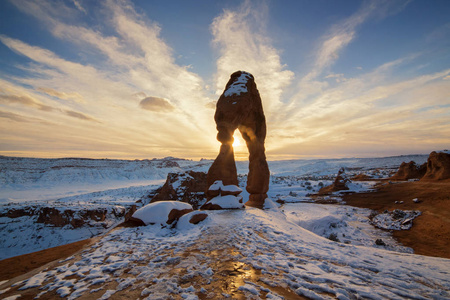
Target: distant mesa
{"type": "Point", "coordinates": [240, 107]}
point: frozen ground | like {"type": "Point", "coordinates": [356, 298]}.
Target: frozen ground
{"type": "Point", "coordinates": [314, 250]}
{"type": "Point", "coordinates": [81, 185]}
{"type": "Point", "coordinates": [249, 254]}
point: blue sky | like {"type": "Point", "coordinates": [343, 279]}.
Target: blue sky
{"type": "Point", "coordinates": [139, 79]}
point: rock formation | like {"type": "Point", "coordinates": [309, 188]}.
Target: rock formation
{"type": "Point", "coordinates": [410, 171]}
{"type": "Point", "coordinates": [186, 187]}
{"type": "Point", "coordinates": [438, 166]}
{"type": "Point", "coordinates": [340, 184]}
{"type": "Point", "coordinates": [240, 107]}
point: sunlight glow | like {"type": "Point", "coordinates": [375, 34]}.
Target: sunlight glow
{"type": "Point", "coordinates": [237, 141]}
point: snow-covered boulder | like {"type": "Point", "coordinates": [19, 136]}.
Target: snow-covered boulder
{"type": "Point", "coordinates": [395, 220]}
{"type": "Point", "coordinates": [163, 212]}
{"type": "Point", "coordinates": [218, 188]}
{"type": "Point", "coordinates": [224, 202]}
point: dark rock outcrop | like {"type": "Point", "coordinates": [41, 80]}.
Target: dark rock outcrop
{"type": "Point", "coordinates": [186, 187]}
{"type": "Point", "coordinates": [59, 218]}
{"type": "Point", "coordinates": [240, 107]}
{"type": "Point", "coordinates": [340, 184]}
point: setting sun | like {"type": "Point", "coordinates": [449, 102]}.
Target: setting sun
{"type": "Point", "coordinates": [237, 140]}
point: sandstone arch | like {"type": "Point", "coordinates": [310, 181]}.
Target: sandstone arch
{"type": "Point", "coordinates": [240, 107]}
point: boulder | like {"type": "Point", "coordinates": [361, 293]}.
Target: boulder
{"type": "Point", "coordinates": [218, 188]}
{"type": "Point", "coordinates": [162, 212]}
{"type": "Point", "coordinates": [224, 202]}
{"type": "Point", "coordinates": [240, 107]}
{"type": "Point", "coordinates": [438, 166]}
{"type": "Point", "coordinates": [409, 170]}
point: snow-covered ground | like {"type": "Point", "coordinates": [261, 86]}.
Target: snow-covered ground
{"type": "Point", "coordinates": [314, 250]}
{"type": "Point", "coordinates": [112, 185]}
{"type": "Point", "coordinates": [268, 249]}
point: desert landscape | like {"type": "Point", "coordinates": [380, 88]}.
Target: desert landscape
{"type": "Point", "coordinates": [236, 149]}
{"type": "Point", "coordinates": [307, 244]}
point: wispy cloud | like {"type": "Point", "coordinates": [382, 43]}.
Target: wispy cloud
{"type": "Point", "coordinates": [243, 44]}
{"type": "Point", "coordinates": [62, 95]}
{"type": "Point", "coordinates": [24, 100]}
{"type": "Point", "coordinates": [340, 35]}
{"type": "Point", "coordinates": [133, 60]}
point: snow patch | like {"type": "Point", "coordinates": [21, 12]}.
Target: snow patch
{"type": "Point", "coordinates": [239, 86]}
{"type": "Point", "coordinates": [219, 186]}
{"type": "Point", "coordinates": [395, 220]}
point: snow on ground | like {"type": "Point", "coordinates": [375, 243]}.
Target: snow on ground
{"type": "Point", "coordinates": [30, 179]}
{"type": "Point", "coordinates": [345, 224]}
{"type": "Point", "coordinates": [155, 263]}
{"type": "Point", "coordinates": [318, 251]}
{"type": "Point", "coordinates": [81, 184]}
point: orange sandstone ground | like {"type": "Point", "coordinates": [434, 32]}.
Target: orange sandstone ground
{"type": "Point", "coordinates": [22, 264]}
{"type": "Point", "coordinates": [430, 233]}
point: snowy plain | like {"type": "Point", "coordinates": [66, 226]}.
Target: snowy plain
{"type": "Point", "coordinates": [81, 184]}
{"type": "Point", "coordinates": [316, 250]}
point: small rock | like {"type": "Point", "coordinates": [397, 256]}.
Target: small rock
{"type": "Point", "coordinates": [380, 242]}
{"type": "Point", "coordinates": [416, 200]}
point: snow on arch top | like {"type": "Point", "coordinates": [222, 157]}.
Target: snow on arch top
{"type": "Point", "coordinates": [239, 86]}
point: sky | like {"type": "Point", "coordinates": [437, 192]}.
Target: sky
{"type": "Point", "coordinates": [140, 79]}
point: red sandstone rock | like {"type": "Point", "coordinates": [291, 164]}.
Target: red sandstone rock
{"type": "Point", "coordinates": [361, 177]}
{"type": "Point", "coordinates": [189, 187]}
{"type": "Point", "coordinates": [410, 170]}
{"type": "Point", "coordinates": [340, 184]}
{"type": "Point", "coordinates": [175, 214]}
{"type": "Point", "coordinates": [240, 107]}
{"type": "Point", "coordinates": [197, 218]}
{"type": "Point", "coordinates": [438, 166]}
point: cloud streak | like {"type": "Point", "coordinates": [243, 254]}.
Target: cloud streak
{"type": "Point", "coordinates": [242, 44]}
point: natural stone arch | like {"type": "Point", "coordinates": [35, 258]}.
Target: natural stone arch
{"type": "Point", "coordinates": [240, 107]}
